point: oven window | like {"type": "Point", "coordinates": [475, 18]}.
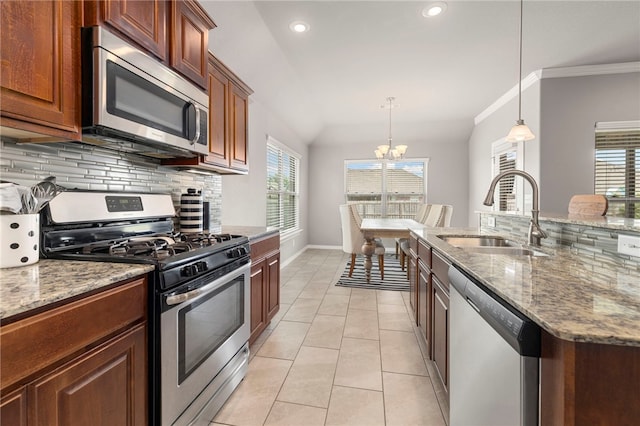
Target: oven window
{"type": "Point", "coordinates": [206, 324]}
{"type": "Point", "coordinates": [134, 98]}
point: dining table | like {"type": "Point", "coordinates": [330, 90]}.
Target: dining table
{"type": "Point", "coordinates": [373, 228]}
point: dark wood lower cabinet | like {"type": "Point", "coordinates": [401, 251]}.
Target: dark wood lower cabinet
{"type": "Point", "coordinates": [258, 313]}
{"type": "Point", "coordinates": [265, 283]}
{"type": "Point", "coordinates": [440, 340]}
{"type": "Point", "coordinates": [104, 387]}
{"type": "Point", "coordinates": [13, 408]}
{"type": "Point", "coordinates": [424, 308]}
{"type": "Point", "coordinates": [81, 363]}
{"type": "Point", "coordinates": [588, 383]}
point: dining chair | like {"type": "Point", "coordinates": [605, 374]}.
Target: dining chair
{"type": "Point", "coordinates": [421, 214]}
{"type": "Point", "coordinates": [438, 215]}
{"type": "Point", "coordinates": [352, 238]}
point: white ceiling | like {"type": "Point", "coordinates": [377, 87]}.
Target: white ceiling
{"type": "Point", "coordinates": [333, 79]}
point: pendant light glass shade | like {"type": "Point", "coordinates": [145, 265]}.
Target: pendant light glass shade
{"type": "Point", "coordinates": [520, 132]}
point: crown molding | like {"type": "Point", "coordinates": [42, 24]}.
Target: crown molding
{"type": "Point", "coordinates": [512, 93]}
{"type": "Point", "coordinates": [585, 70]}
{"type": "Point", "coordinates": [534, 77]}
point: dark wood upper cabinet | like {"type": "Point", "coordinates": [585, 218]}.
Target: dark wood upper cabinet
{"type": "Point", "coordinates": [228, 124]}
{"type": "Point", "coordinates": [174, 31]}
{"type": "Point", "coordinates": [142, 21]}
{"type": "Point", "coordinates": [189, 28]}
{"type": "Point", "coordinates": [40, 71]}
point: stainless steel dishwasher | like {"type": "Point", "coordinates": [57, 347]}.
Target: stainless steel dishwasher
{"type": "Point", "coordinates": [494, 358]}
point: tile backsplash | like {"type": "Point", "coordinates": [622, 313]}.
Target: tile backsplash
{"type": "Point", "coordinates": [76, 165]}
{"type": "Point", "coordinates": [599, 243]}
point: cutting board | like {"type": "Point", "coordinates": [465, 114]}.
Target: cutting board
{"type": "Point", "coordinates": [588, 205]}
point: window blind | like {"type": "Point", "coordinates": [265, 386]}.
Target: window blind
{"type": "Point", "coordinates": [383, 188]}
{"type": "Point", "coordinates": [617, 170]}
{"type": "Point", "coordinates": [282, 188]}
{"type": "Point", "coordinates": [506, 192]}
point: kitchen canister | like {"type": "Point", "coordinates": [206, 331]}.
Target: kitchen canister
{"type": "Point", "coordinates": [19, 237]}
{"type": "Point", "coordinates": [191, 211]}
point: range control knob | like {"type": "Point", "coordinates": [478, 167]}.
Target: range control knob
{"type": "Point", "coordinates": [189, 271]}
{"type": "Point", "coordinates": [237, 252]}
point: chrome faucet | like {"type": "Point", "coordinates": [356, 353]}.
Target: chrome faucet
{"type": "Point", "coordinates": [535, 233]}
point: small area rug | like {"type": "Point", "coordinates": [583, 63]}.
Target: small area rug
{"type": "Point", "coordinates": [394, 277]}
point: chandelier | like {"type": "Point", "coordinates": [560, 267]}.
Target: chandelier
{"type": "Point", "coordinates": [388, 151]}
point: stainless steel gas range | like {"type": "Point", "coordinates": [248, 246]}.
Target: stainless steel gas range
{"type": "Point", "coordinates": [199, 295]}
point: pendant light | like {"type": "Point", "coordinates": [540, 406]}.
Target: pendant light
{"type": "Point", "coordinates": [520, 132]}
{"type": "Point", "coordinates": [387, 151]}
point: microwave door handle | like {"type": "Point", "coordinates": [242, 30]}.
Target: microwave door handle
{"type": "Point", "coordinates": [196, 135]}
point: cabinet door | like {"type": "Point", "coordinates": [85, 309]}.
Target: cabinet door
{"type": "Point", "coordinates": [40, 71]}
{"type": "Point", "coordinates": [13, 408]}
{"type": "Point", "coordinates": [258, 300]}
{"type": "Point", "coordinates": [412, 266]}
{"type": "Point", "coordinates": [424, 308]}
{"type": "Point", "coordinates": [440, 340]}
{"type": "Point", "coordinates": [218, 110]}
{"type": "Point", "coordinates": [273, 299]}
{"type": "Point", "coordinates": [239, 111]}
{"type": "Point", "coordinates": [190, 40]}
{"type": "Point", "coordinates": [107, 386]}
{"type": "Point", "coordinates": [143, 21]}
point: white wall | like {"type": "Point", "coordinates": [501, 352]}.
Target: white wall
{"type": "Point", "coordinates": [244, 197]}
{"type": "Point", "coordinates": [493, 128]}
{"type": "Point", "coordinates": [570, 108]}
{"type": "Point", "coordinates": [447, 181]}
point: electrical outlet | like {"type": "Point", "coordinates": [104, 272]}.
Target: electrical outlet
{"type": "Point", "coordinates": [491, 221]}
{"type": "Point", "coordinates": [628, 244]}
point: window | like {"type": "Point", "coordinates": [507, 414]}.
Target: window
{"type": "Point", "coordinates": [508, 156]}
{"type": "Point", "coordinates": [617, 167]}
{"type": "Point", "coordinates": [383, 188]}
{"type": "Point", "coordinates": [283, 168]}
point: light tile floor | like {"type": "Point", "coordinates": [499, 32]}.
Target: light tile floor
{"type": "Point", "coordinates": [335, 356]}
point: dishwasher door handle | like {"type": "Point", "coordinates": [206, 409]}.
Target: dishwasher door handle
{"type": "Point", "coordinates": [473, 305]}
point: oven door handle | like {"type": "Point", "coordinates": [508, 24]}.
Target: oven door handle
{"type": "Point", "coordinates": [176, 299]}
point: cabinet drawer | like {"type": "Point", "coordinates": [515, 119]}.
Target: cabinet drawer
{"type": "Point", "coordinates": [413, 244]}
{"type": "Point", "coordinates": [424, 253]}
{"type": "Point", "coordinates": [35, 343]}
{"type": "Point", "coordinates": [260, 247]}
{"type": "Point", "coordinates": [441, 269]}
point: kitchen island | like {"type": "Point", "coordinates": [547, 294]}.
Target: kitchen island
{"type": "Point", "coordinates": [589, 309]}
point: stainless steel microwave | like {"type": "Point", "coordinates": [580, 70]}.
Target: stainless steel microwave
{"type": "Point", "coordinates": [133, 103]}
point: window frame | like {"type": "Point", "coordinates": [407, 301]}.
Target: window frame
{"type": "Point", "coordinates": [499, 148]}
{"type": "Point", "coordinates": [609, 138]}
{"type": "Point", "coordinates": [281, 192]}
{"type": "Point", "coordinates": [380, 209]}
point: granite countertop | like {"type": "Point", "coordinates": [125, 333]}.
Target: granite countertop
{"type": "Point", "coordinates": [253, 232]}
{"type": "Point", "coordinates": [572, 297]}
{"type": "Point", "coordinates": [49, 281]}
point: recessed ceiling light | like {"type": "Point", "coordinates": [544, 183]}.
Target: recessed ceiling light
{"type": "Point", "coordinates": [434, 9]}
{"type": "Point", "coordinates": [299, 27]}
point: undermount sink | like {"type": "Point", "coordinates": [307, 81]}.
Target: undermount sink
{"type": "Point", "coordinates": [514, 251]}
{"type": "Point", "coordinates": [464, 241]}
{"type": "Point", "coordinates": [489, 244]}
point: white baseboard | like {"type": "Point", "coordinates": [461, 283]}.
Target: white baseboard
{"type": "Point", "coordinates": [322, 247]}
{"type": "Point", "coordinates": [313, 246]}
